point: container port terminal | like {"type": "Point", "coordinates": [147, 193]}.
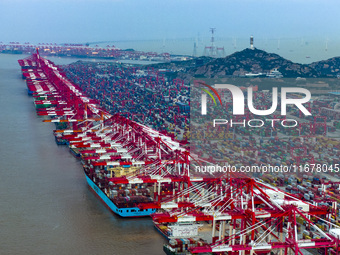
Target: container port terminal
{"type": "Point", "coordinates": [85, 51]}
{"type": "Point", "coordinates": [130, 126]}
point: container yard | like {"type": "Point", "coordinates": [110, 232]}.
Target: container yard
{"type": "Point", "coordinates": [137, 133]}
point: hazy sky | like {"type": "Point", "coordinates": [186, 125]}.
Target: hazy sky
{"type": "Point", "coordinates": [101, 20]}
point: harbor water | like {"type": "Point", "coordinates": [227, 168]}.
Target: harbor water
{"type": "Point", "coordinates": [46, 206]}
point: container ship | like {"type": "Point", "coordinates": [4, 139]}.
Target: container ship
{"type": "Point", "coordinates": [125, 163]}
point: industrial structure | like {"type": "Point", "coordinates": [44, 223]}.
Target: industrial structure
{"type": "Point", "coordinates": [212, 50]}
{"type": "Point", "coordinates": [138, 170]}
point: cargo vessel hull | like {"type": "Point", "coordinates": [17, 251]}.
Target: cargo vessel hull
{"type": "Point", "coordinates": [123, 212]}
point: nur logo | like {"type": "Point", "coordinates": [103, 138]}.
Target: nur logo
{"type": "Point", "coordinates": [239, 99]}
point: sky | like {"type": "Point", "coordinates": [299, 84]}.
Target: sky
{"type": "Point", "coordinates": [100, 20]}
{"type": "Point", "coordinates": [81, 21]}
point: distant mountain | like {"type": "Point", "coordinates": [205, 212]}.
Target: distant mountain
{"type": "Point", "coordinates": [327, 68]}
{"type": "Point", "coordinates": [252, 61]}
